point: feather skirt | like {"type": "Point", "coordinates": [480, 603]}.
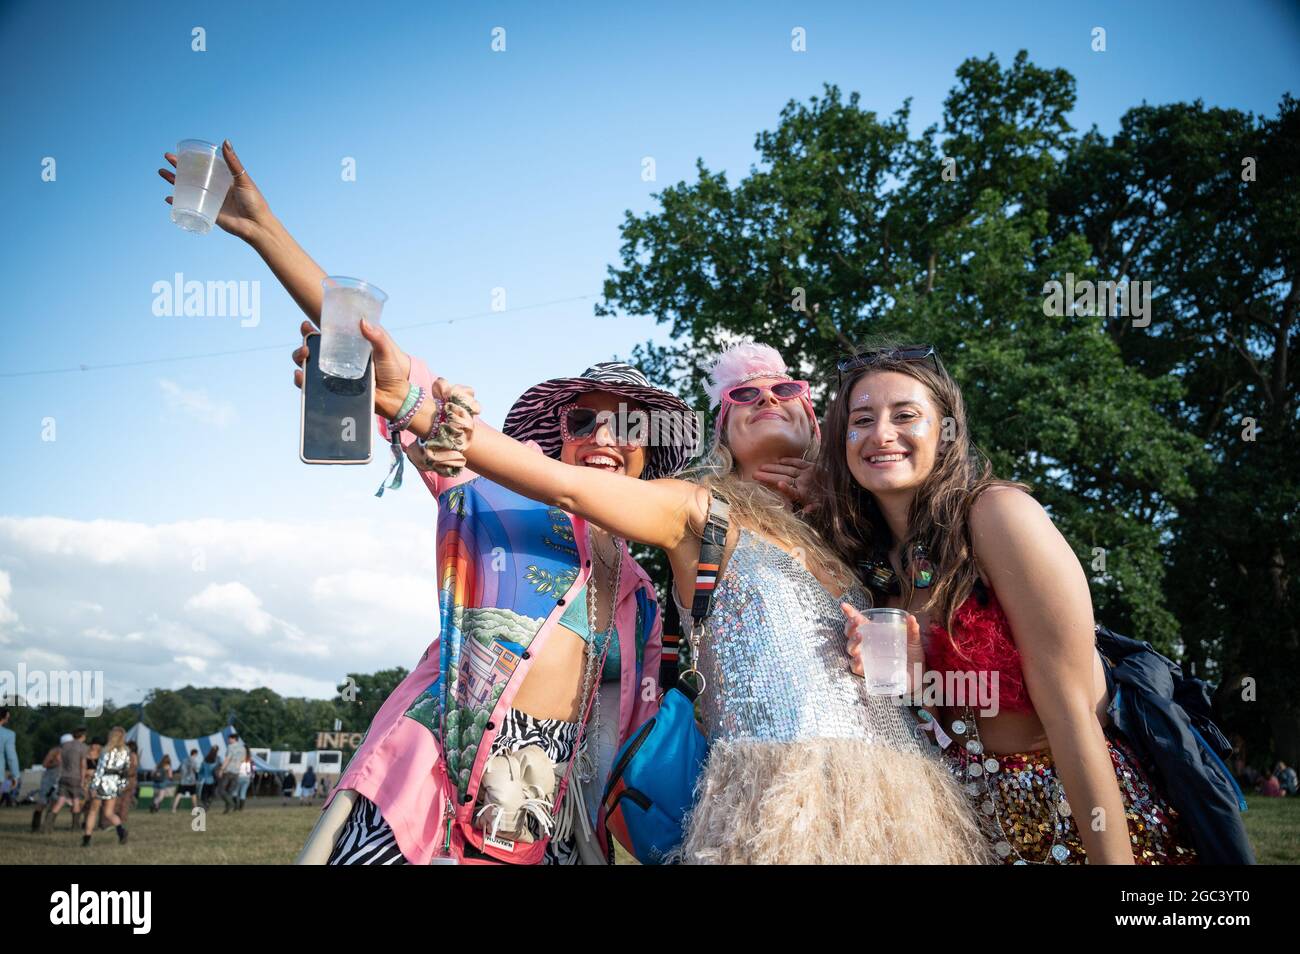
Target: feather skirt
{"type": "Point", "coordinates": [828, 802]}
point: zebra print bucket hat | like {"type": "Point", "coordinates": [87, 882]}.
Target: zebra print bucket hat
{"type": "Point", "coordinates": [672, 428]}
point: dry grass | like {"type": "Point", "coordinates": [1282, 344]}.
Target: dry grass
{"type": "Point", "coordinates": [266, 833]}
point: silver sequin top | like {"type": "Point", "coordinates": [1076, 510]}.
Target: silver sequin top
{"type": "Point", "coordinates": [109, 780]}
{"type": "Point", "coordinates": [774, 656]}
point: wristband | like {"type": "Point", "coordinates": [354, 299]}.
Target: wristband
{"type": "Point", "coordinates": [414, 395]}
{"type": "Point", "coordinates": [405, 420]}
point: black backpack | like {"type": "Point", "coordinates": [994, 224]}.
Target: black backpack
{"type": "Point", "coordinates": [1167, 718]}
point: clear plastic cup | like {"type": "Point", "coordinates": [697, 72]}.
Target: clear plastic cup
{"type": "Point", "coordinates": [343, 351]}
{"type": "Point", "coordinates": [202, 181]}
{"type": "Point", "coordinates": [883, 651]}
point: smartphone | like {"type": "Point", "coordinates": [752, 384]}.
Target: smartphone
{"type": "Point", "coordinates": [338, 414]}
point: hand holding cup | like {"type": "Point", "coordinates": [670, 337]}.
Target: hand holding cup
{"type": "Point", "coordinates": [245, 212]}
{"type": "Point", "coordinates": [858, 627]}
{"type": "Point", "coordinates": [392, 366]}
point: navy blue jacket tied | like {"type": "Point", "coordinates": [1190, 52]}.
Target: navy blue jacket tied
{"type": "Point", "coordinates": [1166, 717]}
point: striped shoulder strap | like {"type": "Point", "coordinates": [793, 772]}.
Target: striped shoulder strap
{"type": "Point", "coordinates": [712, 543]}
{"type": "Point", "coordinates": [676, 656]}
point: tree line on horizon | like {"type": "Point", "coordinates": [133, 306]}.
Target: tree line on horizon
{"type": "Point", "coordinates": [263, 717]}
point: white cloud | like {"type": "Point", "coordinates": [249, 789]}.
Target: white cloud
{"type": "Point", "coordinates": [234, 602]}
{"type": "Point", "coordinates": [7, 615]}
{"type": "Point", "coordinates": [198, 405]}
{"type": "Point", "coordinates": [292, 606]}
{"type": "Point", "coordinates": [368, 587]}
{"type": "Point", "coordinates": [105, 542]}
{"type": "Point", "coordinates": [103, 635]}
{"type": "Point", "coordinates": [6, 591]}
{"type": "Point", "coordinates": [254, 677]}
{"type": "Point", "coordinates": [193, 662]}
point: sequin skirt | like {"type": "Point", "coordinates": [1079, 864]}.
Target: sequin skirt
{"type": "Point", "coordinates": [1023, 811]}
{"type": "Point", "coordinates": [108, 786]}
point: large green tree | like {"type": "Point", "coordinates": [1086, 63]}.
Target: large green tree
{"type": "Point", "coordinates": [1205, 204]}
{"type": "Point", "coordinates": [848, 228]}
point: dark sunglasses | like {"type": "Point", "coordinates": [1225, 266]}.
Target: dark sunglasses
{"type": "Point", "coordinates": [577, 423]}
{"type": "Point", "coordinates": [865, 359]}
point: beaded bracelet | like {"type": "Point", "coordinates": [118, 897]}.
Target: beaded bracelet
{"type": "Point", "coordinates": [439, 417]}
{"type": "Point", "coordinates": [412, 394]}
{"type": "Point", "coordinates": [407, 415]}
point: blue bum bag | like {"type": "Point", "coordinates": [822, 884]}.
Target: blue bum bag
{"type": "Point", "coordinates": [652, 784]}
{"type": "Point", "coordinates": [651, 787]}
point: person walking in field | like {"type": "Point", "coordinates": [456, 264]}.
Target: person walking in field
{"type": "Point", "coordinates": [189, 781]}
{"type": "Point", "coordinates": [73, 756]}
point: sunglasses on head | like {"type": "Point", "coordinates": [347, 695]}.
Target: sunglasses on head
{"type": "Point", "coordinates": [867, 358]}
{"type": "Point", "coordinates": [578, 423]}
{"type": "Point", "coordinates": [749, 393]}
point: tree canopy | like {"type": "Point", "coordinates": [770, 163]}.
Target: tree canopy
{"type": "Point", "coordinates": [1163, 444]}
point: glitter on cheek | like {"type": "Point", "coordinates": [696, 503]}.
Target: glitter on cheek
{"type": "Point", "coordinates": [921, 428]}
{"type": "Point", "coordinates": [853, 436]}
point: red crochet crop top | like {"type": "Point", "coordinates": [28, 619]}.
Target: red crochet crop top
{"type": "Point", "coordinates": [982, 643]}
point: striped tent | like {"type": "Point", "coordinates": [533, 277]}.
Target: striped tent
{"type": "Point", "coordinates": [153, 746]}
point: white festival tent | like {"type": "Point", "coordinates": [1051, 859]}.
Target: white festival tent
{"type": "Point", "coordinates": [153, 746]}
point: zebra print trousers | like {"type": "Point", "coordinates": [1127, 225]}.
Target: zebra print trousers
{"type": "Point", "coordinates": [366, 838]}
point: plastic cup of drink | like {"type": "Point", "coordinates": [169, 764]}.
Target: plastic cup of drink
{"type": "Point", "coordinates": [202, 181]}
{"type": "Point", "coordinates": [343, 351]}
{"type": "Point", "coordinates": [883, 651]}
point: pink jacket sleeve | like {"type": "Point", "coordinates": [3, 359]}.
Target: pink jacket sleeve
{"type": "Point", "coordinates": [422, 377]}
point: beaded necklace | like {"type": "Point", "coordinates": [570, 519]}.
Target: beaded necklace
{"type": "Point", "coordinates": [969, 771]}
{"type": "Point", "coordinates": [587, 771]}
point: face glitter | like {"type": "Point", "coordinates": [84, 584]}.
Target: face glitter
{"type": "Point", "coordinates": [853, 435]}
{"type": "Point", "coordinates": [921, 428]}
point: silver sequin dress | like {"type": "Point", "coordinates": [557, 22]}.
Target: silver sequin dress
{"type": "Point", "coordinates": [804, 766]}
{"type": "Point", "coordinates": [110, 779]}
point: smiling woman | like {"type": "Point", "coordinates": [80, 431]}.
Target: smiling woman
{"type": "Point", "coordinates": [543, 615]}
{"type": "Point", "coordinates": [1000, 597]}
{"type": "Point", "coordinates": [596, 433]}
{"type": "Point", "coordinates": [803, 766]}
{"type": "Point", "coordinates": [538, 611]}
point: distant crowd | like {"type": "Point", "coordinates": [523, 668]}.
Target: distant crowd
{"type": "Point", "coordinates": [1277, 782]}
{"type": "Point", "coordinates": [100, 779]}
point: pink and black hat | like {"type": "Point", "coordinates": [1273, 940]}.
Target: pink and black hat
{"type": "Point", "coordinates": [536, 415]}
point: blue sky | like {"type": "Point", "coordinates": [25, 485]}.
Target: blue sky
{"type": "Point", "coordinates": [475, 170]}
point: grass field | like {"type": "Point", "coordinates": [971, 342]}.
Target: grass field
{"type": "Point", "coordinates": [267, 833]}
{"type": "Point", "coordinates": [264, 833]}
{"type": "Point", "coordinates": [1274, 828]}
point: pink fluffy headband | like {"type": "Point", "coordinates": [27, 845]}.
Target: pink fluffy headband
{"type": "Point", "coordinates": [744, 362]}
